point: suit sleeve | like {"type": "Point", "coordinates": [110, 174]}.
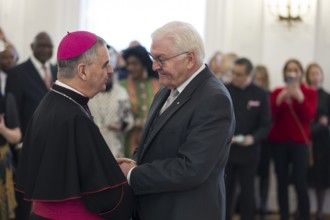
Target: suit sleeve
{"type": "Point", "coordinates": [14, 86]}
{"type": "Point", "coordinates": [205, 146]}
{"type": "Point", "coordinates": [11, 115]}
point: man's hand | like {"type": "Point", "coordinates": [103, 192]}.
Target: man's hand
{"type": "Point", "coordinates": [2, 124]}
{"type": "Point", "coordinates": [126, 165]}
{"type": "Point", "coordinates": [248, 140]}
{"type": "Point", "coordinates": [324, 120]}
{"type": "Point", "coordinates": [124, 160]}
{"type": "Point", "coordinates": [243, 141]}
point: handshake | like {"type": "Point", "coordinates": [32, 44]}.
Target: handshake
{"type": "Point", "coordinates": [126, 165]}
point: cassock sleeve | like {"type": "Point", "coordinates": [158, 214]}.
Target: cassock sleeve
{"type": "Point", "coordinates": [104, 187]}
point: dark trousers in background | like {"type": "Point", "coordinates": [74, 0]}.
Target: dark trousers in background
{"type": "Point", "coordinates": [264, 177]}
{"type": "Point", "coordinates": [36, 217]}
{"type": "Point", "coordinates": [23, 209]}
{"type": "Point", "coordinates": [244, 174]}
{"type": "Point", "coordinates": [291, 164]}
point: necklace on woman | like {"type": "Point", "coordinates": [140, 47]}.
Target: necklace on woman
{"type": "Point", "coordinates": [71, 99]}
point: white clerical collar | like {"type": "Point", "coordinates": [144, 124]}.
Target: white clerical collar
{"type": "Point", "coordinates": [185, 83]}
{"type": "Point", "coordinates": [57, 82]}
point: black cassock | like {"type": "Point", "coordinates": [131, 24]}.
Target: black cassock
{"type": "Point", "coordinates": [64, 156]}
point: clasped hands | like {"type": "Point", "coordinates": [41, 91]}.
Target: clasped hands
{"type": "Point", "coordinates": [126, 165]}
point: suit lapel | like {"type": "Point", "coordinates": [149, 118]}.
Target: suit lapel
{"type": "Point", "coordinates": [163, 118]}
{"type": "Point", "coordinates": [153, 113]}
{"type": "Point", "coordinates": [183, 98]}
{"type": "Point", "coordinates": [155, 108]}
{"type": "Point", "coordinates": [33, 73]}
{"type": "Point", "coordinates": [35, 76]}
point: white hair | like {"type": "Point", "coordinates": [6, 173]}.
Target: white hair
{"type": "Point", "coordinates": [185, 38]}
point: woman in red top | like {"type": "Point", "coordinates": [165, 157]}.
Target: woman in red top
{"type": "Point", "coordinates": [293, 108]}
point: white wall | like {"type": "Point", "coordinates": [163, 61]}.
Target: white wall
{"type": "Point", "coordinates": [322, 39]}
{"type": "Point", "coordinates": [242, 26]}
{"type": "Point", "coordinates": [21, 20]}
{"type": "Point", "coordinates": [120, 22]}
{"type": "Point", "coordinates": [248, 29]}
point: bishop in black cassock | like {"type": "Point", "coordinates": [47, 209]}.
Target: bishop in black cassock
{"type": "Point", "coordinates": [65, 161]}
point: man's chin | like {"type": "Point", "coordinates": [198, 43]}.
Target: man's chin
{"type": "Point", "coordinates": [103, 88]}
{"type": "Point", "coordinates": [163, 81]}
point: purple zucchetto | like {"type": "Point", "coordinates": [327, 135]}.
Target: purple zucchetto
{"type": "Point", "coordinates": [75, 44]}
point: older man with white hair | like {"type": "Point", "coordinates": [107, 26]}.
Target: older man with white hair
{"type": "Point", "coordinates": [180, 161]}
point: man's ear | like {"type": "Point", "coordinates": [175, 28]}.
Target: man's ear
{"type": "Point", "coordinates": [82, 68]}
{"type": "Point", "coordinates": [191, 56]}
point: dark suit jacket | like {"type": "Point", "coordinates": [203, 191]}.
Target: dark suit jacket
{"type": "Point", "coordinates": [182, 155]}
{"type": "Point", "coordinates": [253, 117]}
{"type": "Point", "coordinates": [28, 88]}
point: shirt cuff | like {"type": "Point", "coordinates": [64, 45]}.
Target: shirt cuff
{"type": "Point", "coordinates": [129, 175]}
{"type": "Point", "coordinates": [18, 146]}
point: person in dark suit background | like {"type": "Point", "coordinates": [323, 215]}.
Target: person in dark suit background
{"type": "Point", "coordinates": [180, 160]}
{"type": "Point", "coordinates": [29, 82]}
{"type": "Point", "coordinates": [319, 173]}
{"type": "Point", "coordinates": [261, 78]}
{"type": "Point", "coordinates": [253, 121]}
